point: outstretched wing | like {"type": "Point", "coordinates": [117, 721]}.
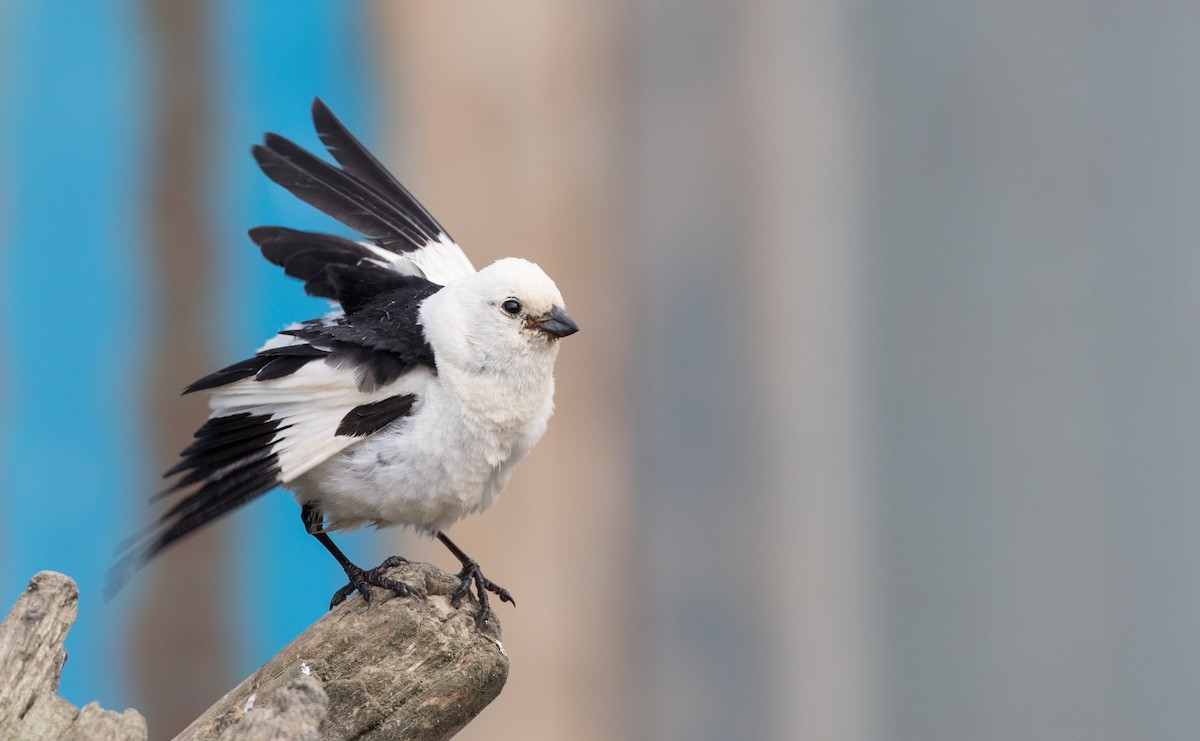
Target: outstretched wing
{"type": "Point", "coordinates": [311, 392]}
{"type": "Point", "coordinates": [362, 194]}
{"type": "Point", "coordinates": [318, 386]}
{"type": "Point", "coordinates": [375, 339]}
{"type": "Point", "coordinates": [265, 433]}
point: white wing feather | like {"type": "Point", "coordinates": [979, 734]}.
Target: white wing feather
{"type": "Point", "coordinates": [441, 261]}
{"type": "Point", "coordinates": [310, 405]}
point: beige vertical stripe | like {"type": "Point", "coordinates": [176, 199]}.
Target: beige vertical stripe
{"type": "Point", "coordinates": [511, 112]}
{"type": "Point", "coordinates": [181, 632]}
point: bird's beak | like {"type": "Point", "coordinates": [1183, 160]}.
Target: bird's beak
{"type": "Point", "coordinates": [556, 323]}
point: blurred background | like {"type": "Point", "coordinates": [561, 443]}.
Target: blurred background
{"type": "Point", "coordinates": [885, 416]}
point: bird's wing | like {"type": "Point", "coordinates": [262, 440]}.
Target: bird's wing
{"type": "Point", "coordinates": [311, 392]}
{"type": "Point", "coordinates": [402, 236]}
{"type": "Point", "coordinates": [318, 386]}
{"type": "Point", "coordinates": [374, 339]}
{"type": "Point", "coordinates": [266, 432]}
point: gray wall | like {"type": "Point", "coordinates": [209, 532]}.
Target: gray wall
{"type": "Point", "coordinates": [918, 397]}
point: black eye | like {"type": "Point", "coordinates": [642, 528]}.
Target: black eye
{"type": "Point", "coordinates": [512, 306]}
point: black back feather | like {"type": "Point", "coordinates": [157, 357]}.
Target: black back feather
{"type": "Point", "coordinates": [355, 287]}
{"type": "Point", "coordinates": [380, 337]}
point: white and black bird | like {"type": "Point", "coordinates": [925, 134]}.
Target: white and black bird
{"type": "Point", "coordinates": [409, 404]}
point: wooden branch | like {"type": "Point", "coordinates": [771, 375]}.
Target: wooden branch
{"type": "Point", "coordinates": [402, 668]}
{"type": "Point", "coordinates": [31, 663]}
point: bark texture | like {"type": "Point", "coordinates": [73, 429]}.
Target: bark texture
{"type": "Point", "coordinates": [31, 663]}
{"type": "Point", "coordinates": [402, 668]}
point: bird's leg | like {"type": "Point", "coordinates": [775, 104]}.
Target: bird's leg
{"type": "Point", "coordinates": [359, 579]}
{"type": "Point", "coordinates": [471, 573]}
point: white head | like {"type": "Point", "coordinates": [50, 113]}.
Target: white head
{"type": "Point", "coordinates": [506, 318]}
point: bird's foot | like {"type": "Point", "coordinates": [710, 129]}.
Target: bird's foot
{"type": "Point", "coordinates": [361, 581]}
{"type": "Point", "coordinates": [471, 574]}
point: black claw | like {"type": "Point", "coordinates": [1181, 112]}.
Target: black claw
{"type": "Point", "coordinates": [361, 581]}
{"type": "Point", "coordinates": [471, 574]}
{"type": "Point", "coordinates": [390, 562]}
{"type": "Point", "coordinates": [340, 595]}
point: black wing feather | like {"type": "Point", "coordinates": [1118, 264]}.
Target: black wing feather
{"type": "Point", "coordinates": [223, 440]}
{"type": "Point", "coordinates": [358, 160]}
{"type": "Point", "coordinates": [339, 194]}
{"type": "Point", "coordinates": [380, 336]}
{"type": "Point", "coordinates": [305, 255]}
{"type": "Point", "coordinates": [283, 365]}
{"type": "Point", "coordinates": [275, 362]}
{"type": "Point", "coordinates": [355, 287]}
{"type": "Point", "coordinates": [213, 446]}
{"type": "Point", "coordinates": [228, 374]}
{"type": "Point", "coordinates": [368, 419]}
{"type": "Point", "coordinates": [225, 465]}
{"type": "Point", "coordinates": [232, 460]}
{"type": "Point", "coordinates": [214, 499]}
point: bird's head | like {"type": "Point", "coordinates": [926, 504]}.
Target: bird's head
{"type": "Point", "coordinates": [505, 316]}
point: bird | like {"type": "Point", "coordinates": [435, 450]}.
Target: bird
{"type": "Point", "coordinates": [409, 404]}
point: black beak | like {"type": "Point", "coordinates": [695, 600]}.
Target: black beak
{"type": "Point", "coordinates": [556, 323]}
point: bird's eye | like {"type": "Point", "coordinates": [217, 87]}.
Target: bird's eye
{"type": "Point", "coordinates": [512, 306]}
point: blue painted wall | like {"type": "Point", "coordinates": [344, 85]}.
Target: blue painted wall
{"type": "Point", "coordinates": [271, 59]}
{"type": "Point", "coordinates": [75, 106]}
{"type": "Point", "coordinates": [72, 300]}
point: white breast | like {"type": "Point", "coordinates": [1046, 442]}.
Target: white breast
{"type": "Point", "coordinates": [451, 457]}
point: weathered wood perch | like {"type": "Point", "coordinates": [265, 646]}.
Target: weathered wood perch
{"type": "Point", "coordinates": [31, 663]}
{"type": "Point", "coordinates": [403, 668]}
